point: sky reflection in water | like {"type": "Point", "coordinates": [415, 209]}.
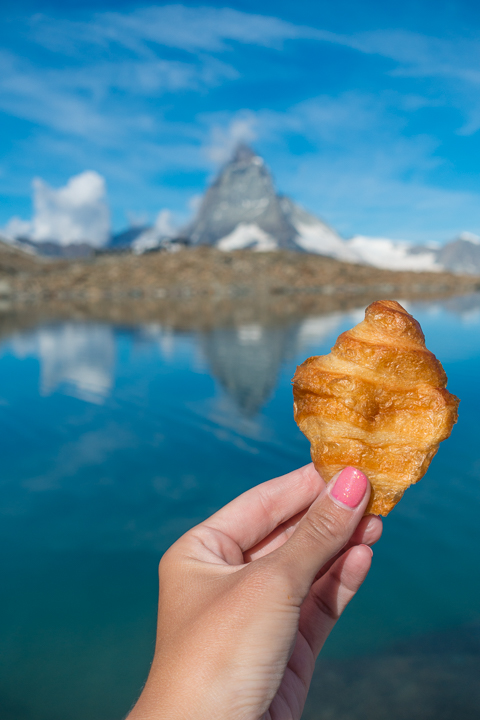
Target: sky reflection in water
{"type": "Point", "coordinates": [117, 439]}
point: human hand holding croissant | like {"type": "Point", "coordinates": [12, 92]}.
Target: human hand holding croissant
{"type": "Point", "coordinates": [248, 597]}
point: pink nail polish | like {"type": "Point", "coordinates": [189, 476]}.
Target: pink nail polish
{"type": "Point", "coordinates": [350, 487]}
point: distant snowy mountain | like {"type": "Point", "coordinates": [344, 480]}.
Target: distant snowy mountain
{"type": "Point", "coordinates": [241, 209]}
{"type": "Point", "coordinates": [124, 239]}
{"type": "Point", "coordinates": [160, 235]}
{"type": "Point", "coordinates": [242, 195]}
{"type": "Point", "coordinates": [461, 255]}
{"type": "Point", "coordinates": [52, 249]}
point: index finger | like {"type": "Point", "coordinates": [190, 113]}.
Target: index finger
{"type": "Point", "coordinates": [252, 516]}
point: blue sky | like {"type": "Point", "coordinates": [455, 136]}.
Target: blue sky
{"type": "Point", "coordinates": [367, 113]}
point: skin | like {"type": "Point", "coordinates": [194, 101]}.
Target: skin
{"type": "Point", "coordinates": [247, 599]}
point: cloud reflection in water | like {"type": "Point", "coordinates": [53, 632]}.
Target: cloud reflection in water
{"type": "Point", "coordinates": [75, 358]}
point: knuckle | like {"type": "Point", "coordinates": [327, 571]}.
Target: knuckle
{"type": "Point", "coordinates": [327, 608]}
{"type": "Point", "coordinates": [324, 527]}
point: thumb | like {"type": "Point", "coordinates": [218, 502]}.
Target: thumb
{"type": "Point", "coordinates": [325, 529]}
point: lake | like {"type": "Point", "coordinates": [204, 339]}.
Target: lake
{"type": "Point", "coordinates": [118, 437]}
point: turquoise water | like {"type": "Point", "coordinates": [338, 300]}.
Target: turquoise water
{"type": "Point", "coordinates": [116, 439]}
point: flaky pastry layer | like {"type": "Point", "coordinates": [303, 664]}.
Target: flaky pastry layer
{"type": "Point", "coordinates": [377, 402]}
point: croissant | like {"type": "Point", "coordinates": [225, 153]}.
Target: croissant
{"type": "Point", "coordinates": [377, 402]}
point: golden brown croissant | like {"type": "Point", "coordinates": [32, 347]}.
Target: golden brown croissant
{"type": "Point", "coordinates": [377, 402]}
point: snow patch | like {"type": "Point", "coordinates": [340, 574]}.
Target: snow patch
{"type": "Point", "coordinates": [391, 254]}
{"type": "Point", "coordinates": [319, 238]}
{"type": "Point", "coordinates": [248, 235]}
{"type": "Point", "coordinates": [153, 237]}
{"type": "Point", "coordinates": [469, 237]}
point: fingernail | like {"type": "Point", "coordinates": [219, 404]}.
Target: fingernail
{"type": "Point", "coordinates": [350, 487]}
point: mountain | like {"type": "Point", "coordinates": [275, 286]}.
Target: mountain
{"type": "Point", "coordinates": [241, 209]}
{"type": "Point", "coordinates": [461, 255]}
{"type": "Point", "coordinates": [52, 249]}
{"type": "Point", "coordinates": [124, 239]}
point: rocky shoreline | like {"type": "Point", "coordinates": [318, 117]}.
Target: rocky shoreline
{"type": "Point", "coordinates": [212, 275]}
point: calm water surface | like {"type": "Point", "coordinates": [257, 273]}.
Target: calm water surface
{"type": "Point", "coordinates": [116, 439]}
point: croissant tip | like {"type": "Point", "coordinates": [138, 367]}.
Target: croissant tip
{"type": "Point", "coordinates": [386, 305]}
{"type": "Point", "coordinates": [394, 319]}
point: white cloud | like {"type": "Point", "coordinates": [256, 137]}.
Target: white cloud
{"type": "Point", "coordinates": [74, 213]}
{"type": "Point", "coordinates": [451, 65]}
{"type": "Point", "coordinates": [75, 358]}
{"type": "Point", "coordinates": [224, 139]}
{"type": "Point", "coordinates": [101, 99]}
{"type": "Point", "coordinates": [88, 101]}
{"type": "Point", "coordinates": [82, 98]}
{"type": "Point", "coordinates": [422, 55]}
{"type": "Point", "coordinates": [77, 212]}
{"type": "Point", "coordinates": [187, 28]}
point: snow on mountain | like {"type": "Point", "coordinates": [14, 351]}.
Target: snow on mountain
{"type": "Point", "coordinates": [157, 236]}
{"type": "Point", "coordinates": [241, 209]}
{"type": "Point", "coordinates": [393, 254]}
{"type": "Point", "coordinates": [469, 237]}
{"type": "Point", "coordinates": [149, 239]}
{"type": "Point", "coordinates": [461, 255]}
{"type": "Point", "coordinates": [242, 194]}
{"type": "Point", "coordinates": [248, 235]}
{"type": "Point", "coordinates": [313, 235]}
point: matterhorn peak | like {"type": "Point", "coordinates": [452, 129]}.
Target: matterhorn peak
{"type": "Point", "coordinates": [243, 199]}
{"type": "Point", "coordinates": [243, 153]}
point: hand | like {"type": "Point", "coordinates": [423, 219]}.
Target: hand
{"type": "Point", "coordinates": [248, 598]}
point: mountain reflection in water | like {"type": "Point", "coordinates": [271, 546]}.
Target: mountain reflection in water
{"type": "Point", "coordinates": [78, 358]}
{"type": "Point", "coordinates": [247, 359]}
{"type": "Point", "coordinates": [119, 436]}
